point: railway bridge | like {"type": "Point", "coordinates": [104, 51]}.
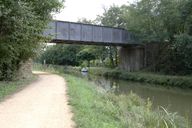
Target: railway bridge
{"type": "Point", "coordinates": [131, 52]}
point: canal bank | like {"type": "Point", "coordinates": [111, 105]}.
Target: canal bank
{"type": "Point", "coordinates": [145, 77]}
{"type": "Point", "coordinates": [184, 82]}
{"type": "Point", "coordinates": [159, 96]}
{"type": "Point", "coordinates": [96, 107]}
{"type": "Point", "coordinates": [175, 100]}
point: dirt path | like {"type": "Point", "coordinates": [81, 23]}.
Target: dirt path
{"type": "Point", "coordinates": [42, 104]}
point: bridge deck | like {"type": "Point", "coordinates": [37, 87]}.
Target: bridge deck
{"type": "Point", "coordinates": [78, 33]}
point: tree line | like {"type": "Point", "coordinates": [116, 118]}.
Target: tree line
{"type": "Point", "coordinates": [76, 55]}
{"type": "Point", "coordinates": [164, 22]}
{"type": "Point", "coordinates": [167, 23]}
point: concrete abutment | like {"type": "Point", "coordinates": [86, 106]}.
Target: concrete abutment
{"type": "Point", "coordinates": [131, 58]}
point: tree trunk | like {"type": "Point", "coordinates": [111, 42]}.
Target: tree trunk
{"type": "Point", "coordinates": [111, 57]}
{"type": "Point", "coordinates": [116, 56]}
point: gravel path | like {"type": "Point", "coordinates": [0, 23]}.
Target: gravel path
{"type": "Point", "coordinates": [42, 104]}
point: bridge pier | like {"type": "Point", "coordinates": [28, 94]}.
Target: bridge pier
{"type": "Point", "coordinates": [131, 58]}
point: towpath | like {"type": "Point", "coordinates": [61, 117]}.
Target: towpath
{"type": "Point", "coordinates": [42, 104]}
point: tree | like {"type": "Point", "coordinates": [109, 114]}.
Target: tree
{"type": "Point", "coordinates": [86, 55]}
{"type": "Point", "coordinates": [61, 55]}
{"type": "Point", "coordinates": [113, 17]}
{"type": "Point", "coordinates": [169, 23]}
{"type": "Point", "coordinates": [166, 22]}
{"type": "Point", "coordinates": [85, 21]}
{"type": "Point", "coordinates": [176, 58]}
{"type": "Point", "coordinates": [21, 26]}
{"type": "Point", "coordinates": [152, 20]}
{"type": "Point", "coordinates": [99, 52]}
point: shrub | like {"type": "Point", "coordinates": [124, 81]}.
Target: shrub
{"type": "Point", "coordinates": [176, 57]}
{"type": "Point", "coordinates": [21, 26]}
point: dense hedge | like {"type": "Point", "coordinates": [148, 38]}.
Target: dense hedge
{"type": "Point", "coordinates": [176, 57]}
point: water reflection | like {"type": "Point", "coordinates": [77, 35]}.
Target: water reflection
{"type": "Point", "coordinates": [108, 85]}
{"type": "Point", "coordinates": [174, 99]}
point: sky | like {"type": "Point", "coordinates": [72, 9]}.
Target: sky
{"type": "Point", "coordinates": [89, 9]}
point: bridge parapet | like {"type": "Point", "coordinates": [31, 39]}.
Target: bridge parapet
{"type": "Point", "coordinates": [69, 32]}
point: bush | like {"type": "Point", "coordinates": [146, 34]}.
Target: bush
{"type": "Point", "coordinates": [21, 26]}
{"type": "Point", "coordinates": [146, 77]}
{"type": "Point", "coordinates": [176, 57]}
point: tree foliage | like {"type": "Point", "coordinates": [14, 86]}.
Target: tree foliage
{"type": "Point", "coordinates": [158, 20]}
{"type": "Point", "coordinates": [74, 55]}
{"type": "Point", "coordinates": [112, 17]}
{"type": "Point", "coordinates": [176, 58]}
{"type": "Point", "coordinates": [96, 52]}
{"type": "Point", "coordinates": [167, 22]}
{"type": "Point", "coordinates": [21, 26]}
{"type": "Point", "coordinates": [86, 55]}
{"type": "Point", "coordinates": [61, 55]}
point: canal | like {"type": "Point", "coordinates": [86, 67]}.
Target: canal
{"type": "Point", "coordinates": [174, 99]}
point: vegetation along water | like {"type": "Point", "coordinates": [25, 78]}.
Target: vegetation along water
{"type": "Point", "coordinates": [163, 29]}
{"type": "Point", "coordinates": [101, 102]}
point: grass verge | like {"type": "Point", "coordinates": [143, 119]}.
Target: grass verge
{"type": "Point", "coordinates": [9, 87]}
{"type": "Point", "coordinates": [95, 108]}
{"type": "Point", "coordinates": [145, 77]}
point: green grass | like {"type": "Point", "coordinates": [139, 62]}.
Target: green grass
{"type": "Point", "coordinates": [9, 87]}
{"type": "Point", "coordinates": [94, 108]}
{"type": "Point", "coordinates": [88, 106]}
{"type": "Point", "coordinates": [145, 77]}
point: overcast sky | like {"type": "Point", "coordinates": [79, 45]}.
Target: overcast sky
{"type": "Point", "coordinates": [89, 9]}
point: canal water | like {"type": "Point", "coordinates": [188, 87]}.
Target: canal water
{"type": "Point", "coordinates": [174, 99]}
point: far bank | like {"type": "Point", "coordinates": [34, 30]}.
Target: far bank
{"type": "Point", "coordinates": [184, 82]}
